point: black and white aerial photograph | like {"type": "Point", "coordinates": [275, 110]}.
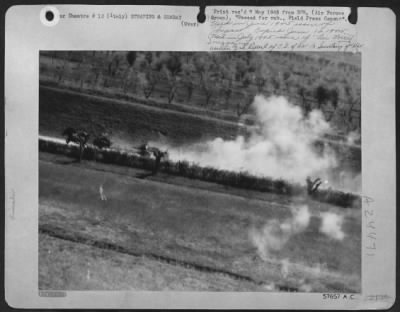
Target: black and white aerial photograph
{"type": "Point", "coordinates": [200, 171]}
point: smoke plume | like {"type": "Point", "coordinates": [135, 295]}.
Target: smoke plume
{"type": "Point", "coordinates": [331, 225]}
{"type": "Point", "coordinates": [353, 137]}
{"type": "Point", "coordinates": [275, 234]}
{"type": "Point", "coordinates": [280, 146]}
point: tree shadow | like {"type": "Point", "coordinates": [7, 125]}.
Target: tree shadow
{"type": "Point", "coordinates": [67, 162]}
{"type": "Point", "coordinates": [144, 175]}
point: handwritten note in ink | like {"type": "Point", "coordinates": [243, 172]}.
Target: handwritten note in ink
{"type": "Point", "coordinates": [282, 29]}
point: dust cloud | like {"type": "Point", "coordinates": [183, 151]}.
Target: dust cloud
{"type": "Point", "coordinates": [353, 137]}
{"type": "Point", "coordinates": [275, 234]}
{"type": "Point", "coordinates": [281, 145]}
{"type": "Point", "coordinates": [331, 225]}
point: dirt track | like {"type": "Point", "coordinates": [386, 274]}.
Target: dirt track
{"type": "Point", "coordinates": [197, 230]}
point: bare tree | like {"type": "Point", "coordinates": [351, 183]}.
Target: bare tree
{"type": "Point", "coordinates": [261, 73]}
{"type": "Point", "coordinates": [353, 98]}
{"type": "Point", "coordinates": [149, 80]}
{"type": "Point", "coordinates": [210, 84]}
{"type": "Point", "coordinates": [227, 81]}
{"type": "Point", "coordinates": [208, 79]}
{"type": "Point", "coordinates": [243, 104]}
{"type": "Point", "coordinates": [188, 79]}
{"type": "Point", "coordinates": [96, 70]}
{"type": "Point", "coordinates": [304, 104]}
{"type": "Point", "coordinates": [172, 68]}
{"type": "Point", "coordinates": [241, 69]}
{"type": "Point", "coordinates": [150, 75]}
{"type": "Point", "coordinates": [130, 74]}
{"type": "Point", "coordinates": [63, 69]}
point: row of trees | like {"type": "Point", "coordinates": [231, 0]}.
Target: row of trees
{"type": "Point", "coordinates": [193, 171]}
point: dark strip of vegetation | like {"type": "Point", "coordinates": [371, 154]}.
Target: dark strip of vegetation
{"type": "Point", "coordinates": [194, 171]}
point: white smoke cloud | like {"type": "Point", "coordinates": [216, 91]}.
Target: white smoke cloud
{"type": "Point", "coordinates": [280, 146]}
{"type": "Point", "coordinates": [353, 137]}
{"type": "Point", "coordinates": [275, 234]}
{"type": "Point", "coordinates": [331, 225]}
{"type": "Point", "coordinates": [285, 268]}
{"type": "Point", "coordinates": [305, 287]}
{"type": "Point", "coordinates": [270, 238]}
{"type": "Point", "coordinates": [301, 218]}
{"type": "Point", "coordinates": [348, 180]}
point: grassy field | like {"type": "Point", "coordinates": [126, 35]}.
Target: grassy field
{"type": "Point", "coordinates": [82, 267]}
{"type": "Point", "coordinates": [178, 234]}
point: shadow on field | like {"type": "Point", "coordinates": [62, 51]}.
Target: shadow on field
{"type": "Point", "coordinates": [67, 162]}
{"type": "Point", "coordinates": [144, 175]}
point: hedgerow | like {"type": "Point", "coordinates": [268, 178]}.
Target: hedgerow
{"type": "Point", "coordinates": [194, 171]}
